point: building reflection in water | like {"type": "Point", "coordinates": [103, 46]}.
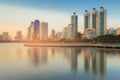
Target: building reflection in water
{"type": "Point", "coordinates": [72, 56]}
{"type": "Point", "coordinates": [96, 59]}
{"type": "Point", "coordinates": [38, 55]}
{"type": "Point", "coordinates": [53, 51]}
{"type": "Point", "coordinates": [86, 60]}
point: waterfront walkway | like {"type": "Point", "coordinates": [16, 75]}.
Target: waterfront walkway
{"type": "Point", "coordinates": [100, 45]}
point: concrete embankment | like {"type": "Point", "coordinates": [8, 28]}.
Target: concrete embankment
{"type": "Point", "coordinates": [72, 45]}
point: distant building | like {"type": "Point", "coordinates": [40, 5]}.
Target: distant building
{"type": "Point", "coordinates": [71, 30]}
{"type": "Point", "coordinates": [30, 31]}
{"type": "Point", "coordinates": [74, 22]}
{"type": "Point", "coordinates": [99, 21]}
{"type": "Point", "coordinates": [33, 31]}
{"type": "Point", "coordinates": [5, 36]}
{"type": "Point", "coordinates": [118, 31]}
{"type": "Point", "coordinates": [43, 31]}
{"type": "Point", "coordinates": [52, 36]}
{"type": "Point", "coordinates": [19, 36]}
{"type": "Point", "coordinates": [64, 33]}
{"type": "Point", "coordinates": [58, 35]}
{"type": "Point", "coordinates": [0, 37]}
{"type": "Point", "coordinates": [86, 20]}
{"type": "Point", "coordinates": [95, 21]}
{"type": "Point", "coordinates": [36, 30]}
{"type": "Point", "coordinates": [111, 31]}
{"type": "Point", "coordinates": [103, 21]}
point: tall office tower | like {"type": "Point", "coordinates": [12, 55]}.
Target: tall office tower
{"type": "Point", "coordinates": [74, 22]}
{"type": "Point", "coordinates": [36, 30]}
{"type": "Point", "coordinates": [103, 21]}
{"type": "Point", "coordinates": [52, 36]}
{"type": "Point", "coordinates": [70, 32]}
{"type": "Point", "coordinates": [95, 21]}
{"type": "Point", "coordinates": [86, 20]}
{"type": "Point", "coordinates": [43, 31]}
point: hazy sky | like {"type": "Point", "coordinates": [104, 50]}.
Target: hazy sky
{"type": "Point", "coordinates": [17, 14]}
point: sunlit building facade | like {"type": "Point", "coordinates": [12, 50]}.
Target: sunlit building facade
{"type": "Point", "coordinates": [43, 31]}
{"type": "Point", "coordinates": [64, 33]}
{"type": "Point", "coordinates": [52, 36]}
{"type": "Point", "coordinates": [118, 31]}
{"type": "Point", "coordinates": [30, 32]}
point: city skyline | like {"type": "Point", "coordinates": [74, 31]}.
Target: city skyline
{"type": "Point", "coordinates": [16, 15]}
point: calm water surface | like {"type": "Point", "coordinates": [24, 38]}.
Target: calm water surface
{"type": "Point", "coordinates": [18, 62]}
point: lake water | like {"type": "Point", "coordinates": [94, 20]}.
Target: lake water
{"type": "Point", "coordinates": [18, 62]}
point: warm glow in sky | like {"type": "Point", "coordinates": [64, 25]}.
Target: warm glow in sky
{"type": "Point", "coordinates": [17, 14]}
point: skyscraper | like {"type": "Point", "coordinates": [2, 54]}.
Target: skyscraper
{"type": "Point", "coordinates": [103, 21]}
{"type": "Point", "coordinates": [30, 32]}
{"type": "Point", "coordinates": [95, 21]}
{"type": "Point", "coordinates": [74, 22]}
{"type": "Point", "coordinates": [43, 31]}
{"type": "Point", "coordinates": [36, 30]}
{"type": "Point", "coordinates": [87, 20]}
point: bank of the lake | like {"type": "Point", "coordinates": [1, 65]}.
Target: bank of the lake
{"type": "Point", "coordinates": [99, 45]}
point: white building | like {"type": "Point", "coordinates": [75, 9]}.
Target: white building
{"type": "Point", "coordinates": [52, 36]}
{"type": "Point", "coordinates": [63, 35]}
{"type": "Point", "coordinates": [43, 31]}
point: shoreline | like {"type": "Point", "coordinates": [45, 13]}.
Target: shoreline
{"type": "Point", "coordinates": [97, 45]}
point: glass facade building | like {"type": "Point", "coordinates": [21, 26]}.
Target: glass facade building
{"type": "Point", "coordinates": [87, 20]}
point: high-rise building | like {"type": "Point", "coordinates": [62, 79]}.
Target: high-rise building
{"type": "Point", "coordinates": [43, 31]}
{"type": "Point", "coordinates": [74, 22]}
{"type": "Point", "coordinates": [103, 21]}
{"type": "Point", "coordinates": [71, 30]}
{"type": "Point", "coordinates": [95, 21]}
{"type": "Point", "coordinates": [36, 30]}
{"type": "Point", "coordinates": [86, 20]}
{"type": "Point", "coordinates": [99, 22]}
{"type": "Point", "coordinates": [30, 32]}
{"type": "Point", "coordinates": [52, 36]}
